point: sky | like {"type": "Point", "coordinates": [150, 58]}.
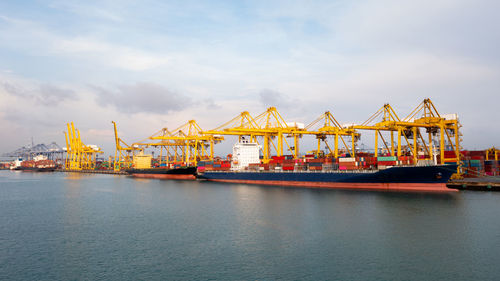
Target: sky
{"type": "Point", "coordinates": [154, 64]}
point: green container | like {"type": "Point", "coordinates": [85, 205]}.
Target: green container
{"type": "Point", "coordinates": [387, 158]}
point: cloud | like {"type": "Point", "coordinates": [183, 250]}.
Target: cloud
{"type": "Point", "coordinates": [51, 94]}
{"type": "Point", "coordinates": [44, 94]}
{"type": "Point", "coordinates": [37, 39]}
{"type": "Point", "coordinates": [210, 104]}
{"type": "Point", "coordinates": [100, 133]}
{"type": "Point", "coordinates": [457, 27]}
{"type": "Point", "coordinates": [274, 98]}
{"type": "Point", "coordinates": [143, 97]}
{"type": "Point", "coordinates": [126, 58]}
{"type": "Point", "coordinates": [17, 116]}
{"type": "Point", "coordinates": [88, 10]}
{"type": "Point", "coordinates": [301, 57]}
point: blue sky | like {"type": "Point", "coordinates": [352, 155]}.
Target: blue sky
{"type": "Point", "coordinates": [154, 64]}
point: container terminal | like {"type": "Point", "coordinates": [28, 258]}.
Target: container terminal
{"type": "Point", "coordinates": [267, 152]}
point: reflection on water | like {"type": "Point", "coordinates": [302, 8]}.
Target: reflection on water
{"type": "Point", "coordinates": [74, 176]}
{"type": "Point", "coordinates": [60, 226]}
{"type": "Point", "coordinates": [142, 180]}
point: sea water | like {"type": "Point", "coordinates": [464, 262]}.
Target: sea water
{"type": "Point", "coordinates": [71, 226]}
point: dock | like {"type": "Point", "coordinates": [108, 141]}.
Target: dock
{"type": "Point", "coordinates": [479, 184]}
{"type": "Point", "coordinates": [109, 172]}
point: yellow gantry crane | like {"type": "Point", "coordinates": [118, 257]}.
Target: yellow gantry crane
{"type": "Point", "coordinates": [78, 155]}
{"type": "Point", "coordinates": [189, 138]}
{"type": "Point", "coordinates": [268, 126]}
{"type": "Point", "coordinates": [331, 127]}
{"type": "Point", "coordinates": [173, 148]}
{"type": "Point", "coordinates": [124, 153]}
{"type": "Point", "coordinates": [271, 125]}
{"type": "Point", "coordinates": [447, 126]}
{"type": "Point", "coordinates": [385, 120]}
{"type": "Point", "coordinates": [189, 143]}
{"type": "Point", "coordinates": [241, 125]}
{"type": "Point", "coordinates": [426, 117]}
{"type": "Point", "coordinates": [494, 152]}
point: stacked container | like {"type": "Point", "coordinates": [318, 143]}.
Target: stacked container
{"type": "Point", "coordinates": [348, 163]}
{"type": "Point", "coordinates": [491, 167]}
{"type": "Point", "coordinates": [385, 162]}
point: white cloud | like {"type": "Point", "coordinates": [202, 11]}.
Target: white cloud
{"type": "Point", "coordinates": [109, 54]}
{"type": "Point", "coordinates": [368, 53]}
{"type": "Point", "coordinates": [143, 97]}
{"type": "Point", "coordinates": [90, 10]}
{"type": "Point", "coordinates": [35, 39]}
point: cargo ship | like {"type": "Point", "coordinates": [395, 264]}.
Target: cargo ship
{"type": "Point", "coordinates": [341, 173]}
{"type": "Point", "coordinates": [411, 178]}
{"type": "Point", "coordinates": [181, 173]}
{"type": "Point", "coordinates": [142, 168]}
{"type": "Point", "coordinates": [39, 163]}
{"type": "Point", "coordinates": [37, 169]}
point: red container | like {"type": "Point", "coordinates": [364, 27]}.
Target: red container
{"type": "Point", "coordinates": [477, 153]}
{"type": "Point", "coordinates": [477, 158]}
{"type": "Point", "coordinates": [387, 163]}
{"type": "Point", "coordinates": [329, 160]}
{"type": "Point", "coordinates": [315, 168]}
{"type": "Point", "coordinates": [449, 154]}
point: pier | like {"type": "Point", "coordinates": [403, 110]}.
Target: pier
{"type": "Point", "coordinates": [111, 172]}
{"type": "Point", "coordinates": [481, 184]}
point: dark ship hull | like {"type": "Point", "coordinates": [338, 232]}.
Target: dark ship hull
{"type": "Point", "coordinates": [185, 173]}
{"type": "Point", "coordinates": [402, 178]}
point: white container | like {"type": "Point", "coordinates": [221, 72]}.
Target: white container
{"type": "Point", "coordinates": [295, 125]}
{"type": "Point", "coordinates": [452, 116]}
{"type": "Point", "coordinates": [347, 159]}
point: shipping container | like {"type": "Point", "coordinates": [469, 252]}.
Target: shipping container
{"type": "Point", "coordinates": [386, 158]}
{"type": "Point", "coordinates": [347, 159]}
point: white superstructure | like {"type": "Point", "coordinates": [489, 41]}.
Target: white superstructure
{"type": "Point", "coordinates": [16, 163]}
{"type": "Point", "coordinates": [244, 153]}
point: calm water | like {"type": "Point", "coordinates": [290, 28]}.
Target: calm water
{"type": "Point", "coordinates": [59, 226]}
